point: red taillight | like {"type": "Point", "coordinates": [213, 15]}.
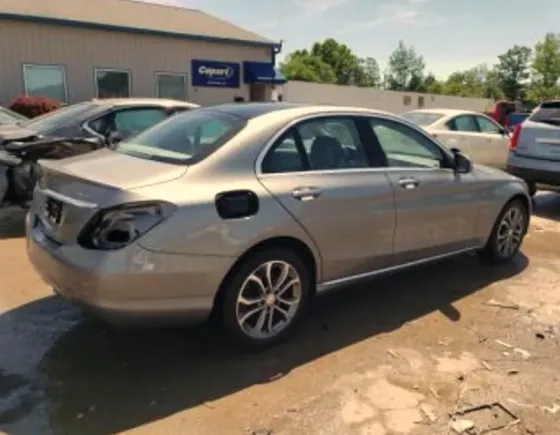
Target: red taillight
{"type": "Point", "coordinates": [514, 142]}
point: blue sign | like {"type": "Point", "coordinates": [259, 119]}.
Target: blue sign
{"type": "Point", "coordinates": [215, 74]}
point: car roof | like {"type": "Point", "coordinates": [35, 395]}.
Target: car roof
{"type": "Point", "coordinates": [446, 112]}
{"type": "Point", "coordinates": [143, 101]}
{"type": "Point", "coordinates": [254, 110]}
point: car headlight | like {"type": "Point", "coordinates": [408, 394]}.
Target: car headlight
{"type": "Point", "coordinates": [117, 227]}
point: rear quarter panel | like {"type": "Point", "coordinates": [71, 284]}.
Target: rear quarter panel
{"type": "Point", "coordinates": [196, 228]}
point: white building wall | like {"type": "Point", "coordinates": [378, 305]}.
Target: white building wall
{"type": "Point", "coordinates": [390, 101]}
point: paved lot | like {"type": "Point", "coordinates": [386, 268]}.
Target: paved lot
{"type": "Point", "coordinates": [394, 356]}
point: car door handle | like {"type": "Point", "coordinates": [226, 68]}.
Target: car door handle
{"type": "Point", "coordinates": [409, 183]}
{"type": "Point", "coordinates": [306, 193]}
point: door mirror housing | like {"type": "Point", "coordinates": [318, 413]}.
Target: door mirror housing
{"type": "Point", "coordinates": [463, 165]}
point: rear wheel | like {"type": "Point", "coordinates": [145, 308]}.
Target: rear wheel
{"type": "Point", "coordinates": [266, 298]}
{"type": "Point", "coordinates": [508, 233]}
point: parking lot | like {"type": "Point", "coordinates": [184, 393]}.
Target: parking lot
{"type": "Point", "coordinates": [394, 356]}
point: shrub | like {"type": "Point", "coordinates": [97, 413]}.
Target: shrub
{"type": "Point", "coordinates": [34, 106]}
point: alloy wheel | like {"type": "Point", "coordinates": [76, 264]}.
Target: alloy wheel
{"type": "Point", "coordinates": [268, 300]}
{"type": "Point", "coordinates": [510, 232]}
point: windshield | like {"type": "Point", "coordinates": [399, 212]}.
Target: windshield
{"type": "Point", "coordinates": [57, 118]}
{"type": "Point", "coordinates": [422, 119]}
{"type": "Point", "coordinates": [9, 117]}
{"type": "Point", "coordinates": [548, 112]}
{"type": "Point", "coordinates": [185, 138]}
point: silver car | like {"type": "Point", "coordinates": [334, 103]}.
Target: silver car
{"type": "Point", "coordinates": [247, 211]}
{"type": "Point", "coordinates": [535, 148]}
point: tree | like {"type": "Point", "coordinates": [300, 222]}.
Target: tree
{"type": "Point", "coordinates": [405, 70]}
{"type": "Point", "coordinates": [432, 85]}
{"type": "Point", "coordinates": [302, 66]}
{"type": "Point", "coordinates": [491, 86]}
{"type": "Point", "coordinates": [367, 74]}
{"type": "Point", "coordinates": [331, 62]}
{"type": "Point", "coordinates": [513, 71]}
{"type": "Point", "coordinates": [546, 68]}
{"type": "Point", "coordinates": [344, 63]}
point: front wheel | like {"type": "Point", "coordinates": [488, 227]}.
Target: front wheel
{"type": "Point", "coordinates": [266, 298]}
{"type": "Point", "coordinates": [508, 233]}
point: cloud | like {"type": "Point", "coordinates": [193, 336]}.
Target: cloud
{"type": "Point", "coordinates": [181, 3]}
{"type": "Point", "coordinates": [407, 13]}
{"type": "Point", "coordinates": [266, 25]}
{"type": "Point", "coordinates": [318, 7]}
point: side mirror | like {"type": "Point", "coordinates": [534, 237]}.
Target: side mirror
{"type": "Point", "coordinates": [463, 164]}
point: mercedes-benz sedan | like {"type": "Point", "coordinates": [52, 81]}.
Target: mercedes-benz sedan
{"type": "Point", "coordinates": [247, 211]}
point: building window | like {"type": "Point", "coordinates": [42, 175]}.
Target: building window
{"type": "Point", "coordinates": [407, 100]}
{"type": "Point", "coordinates": [172, 86]}
{"type": "Point", "coordinates": [110, 83]}
{"type": "Point", "coordinates": [45, 81]}
{"type": "Point", "coordinates": [421, 102]}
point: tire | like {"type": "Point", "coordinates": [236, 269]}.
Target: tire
{"type": "Point", "coordinates": [233, 311]}
{"type": "Point", "coordinates": [494, 251]}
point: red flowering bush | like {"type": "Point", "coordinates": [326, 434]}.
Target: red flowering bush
{"type": "Point", "coordinates": [32, 107]}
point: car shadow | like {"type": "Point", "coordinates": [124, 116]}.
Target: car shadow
{"type": "Point", "coordinates": [547, 205]}
{"type": "Point", "coordinates": [100, 380]}
{"type": "Point", "coordinates": [12, 223]}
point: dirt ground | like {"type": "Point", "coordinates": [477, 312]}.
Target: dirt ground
{"type": "Point", "coordinates": [397, 355]}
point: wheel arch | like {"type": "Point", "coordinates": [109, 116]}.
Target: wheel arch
{"type": "Point", "coordinates": [526, 203]}
{"type": "Point", "coordinates": [286, 242]}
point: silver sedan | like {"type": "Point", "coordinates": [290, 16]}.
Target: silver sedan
{"type": "Point", "coordinates": [247, 211]}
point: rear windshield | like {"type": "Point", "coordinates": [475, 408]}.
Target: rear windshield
{"type": "Point", "coordinates": [58, 118]}
{"type": "Point", "coordinates": [547, 112]}
{"type": "Point", "coordinates": [185, 138]}
{"type": "Point", "coordinates": [423, 119]}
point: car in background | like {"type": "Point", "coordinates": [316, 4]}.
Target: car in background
{"type": "Point", "coordinates": [70, 131]}
{"type": "Point", "coordinates": [475, 134]}
{"type": "Point", "coordinates": [105, 119]}
{"type": "Point", "coordinates": [535, 148]}
{"type": "Point", "coordinates": [246, 211]}
{"type": "Point", "coordinates": [10, 117]}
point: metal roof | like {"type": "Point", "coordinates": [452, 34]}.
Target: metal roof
{"type": "Point", "coordinates": [253, 109]}
{"type": "Point", "coordinates": [132, 16]}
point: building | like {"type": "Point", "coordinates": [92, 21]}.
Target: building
{"type": "Point", "coordinates": [74, 50]}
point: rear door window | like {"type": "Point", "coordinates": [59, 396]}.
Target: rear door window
{"type": "Point", "coordinates": [464, 124]}
{"type": "Point", "coordinates": [487, 126]}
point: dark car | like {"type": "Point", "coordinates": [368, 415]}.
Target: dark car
{"type": "Point", "coordinates": [70, 131]}
{"type": "Point", "coordinates": [10, 117]}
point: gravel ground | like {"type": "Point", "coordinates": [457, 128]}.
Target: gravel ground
{"type": "Point", "coordinates": [397, 355]}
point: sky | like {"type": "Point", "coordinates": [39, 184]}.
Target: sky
{"type": "Point", "coordinates": [451, 35]}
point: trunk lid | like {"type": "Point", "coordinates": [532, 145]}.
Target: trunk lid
{"type": "Point", "coordinates": [13, 132]}
{"type": "Point", "coordinates": [71, 191]}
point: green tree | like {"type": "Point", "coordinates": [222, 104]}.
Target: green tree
{"type": "Point", "coordinates": [491, 86]}
{"type": "Point", "coordinates": [432, 85]}
{"type": "Point", "coordinates": [367, 74]}
{"type": "Point", "coordinates": [331, 62]}
{"type": "Point", "coordinates": [302, 66]}
{"type": "Point", "coordinates": [344, 63]}
{"type": "Point", "coordinates": [405, 71]}
{"type": "Point", "coordinates": [546, 68]}
{"type": "Point", "coordinates": [513, 71]}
